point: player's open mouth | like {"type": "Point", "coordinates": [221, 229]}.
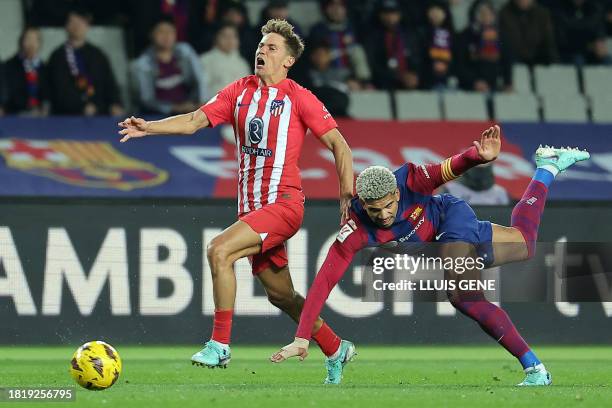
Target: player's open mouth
{"type": "Point", "coordinates": [387, 221]}
{"type": "Point", "coordinates": [259, 62]}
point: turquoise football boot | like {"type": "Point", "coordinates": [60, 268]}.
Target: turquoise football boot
{"type": "Point", "coordinates": [560, 158]}
{"type": "Point", "coordinates": [212, 355]}
{"type": "Point", "coordinates": [536, 375]}
{"type": "Point", "coordinates": [336, 366]}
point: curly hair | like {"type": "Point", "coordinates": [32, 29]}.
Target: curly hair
{"type": "Point", "coordinates": [375, 182]}
{"type": "Point", "coordinates": [294, 43]}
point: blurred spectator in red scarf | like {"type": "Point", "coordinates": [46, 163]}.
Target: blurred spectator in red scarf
{"type": "Point", "coordinates": [81, 80]}
{"type": "Point", "coordinates": [392, 51]}
{"type": "Point", "coordinates": [438, 43]}
{"type": "Point", "coordinates": [483, 62]}
{"type": "Point", "coordinates": [26, 78]}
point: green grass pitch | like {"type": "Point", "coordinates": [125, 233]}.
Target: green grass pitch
{"type": "Point", "coordinates": [436, 376]}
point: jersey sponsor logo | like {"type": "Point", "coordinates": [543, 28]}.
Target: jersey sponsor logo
{"type": "Point", "coordinates": [416, 213]}
{"type": "Point", "coordinates": [346, 230]}
{"type": "Point", "coordinates": [256, 127]}
{"type": "Point", "coordinates": [257, 151]}
{"type": "Point", "coordinates": [84, 164]}
{"type": "Point", "coordinates": [276, 107]}
{"type": "Point", "coordinates": [407, 237]}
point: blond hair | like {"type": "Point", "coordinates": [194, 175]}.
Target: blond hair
{"type": "Point", "coordinates": [294, 43]}
{"type": "Point", "coordinates": [375, 182]}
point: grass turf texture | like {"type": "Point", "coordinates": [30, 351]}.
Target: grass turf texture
{"type": "Point", "coordinates": [435, 376]}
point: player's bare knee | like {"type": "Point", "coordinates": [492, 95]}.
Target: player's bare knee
{"type": "Point", "coordinates": [283, 301]}
{"type": "Point", "coordinates": [217, 253]}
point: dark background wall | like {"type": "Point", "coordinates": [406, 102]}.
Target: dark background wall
{"type": "Point", "coordinates": [45, 241]}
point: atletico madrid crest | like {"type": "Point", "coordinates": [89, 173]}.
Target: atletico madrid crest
{"type": "Point", "coordinates": [277, 106]}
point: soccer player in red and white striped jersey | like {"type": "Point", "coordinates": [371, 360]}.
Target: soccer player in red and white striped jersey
{"type": "Point", "coordinates": [271, 115]}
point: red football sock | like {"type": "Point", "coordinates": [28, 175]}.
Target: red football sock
{"type": "Point", "coordinates": [222, 326]}
{"type": "Point", "coordinates": [328, 341]}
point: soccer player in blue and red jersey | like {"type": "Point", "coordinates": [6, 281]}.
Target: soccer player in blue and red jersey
{"type": "Point", "coordinates": [400, 206]}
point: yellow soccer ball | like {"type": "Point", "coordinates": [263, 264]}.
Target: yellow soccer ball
{"type": "Point", "coordinates": [95, 365]}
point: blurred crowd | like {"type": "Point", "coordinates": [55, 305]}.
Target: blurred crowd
{"type": "Point", "coordinates": [182, 52]}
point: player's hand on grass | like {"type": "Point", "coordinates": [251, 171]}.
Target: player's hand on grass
{"type": "Point", "coordinates": [133, 127]}
{"type": "Point", "coordinates": [345, 206]}
{"type": "Point", "coordinates": [490, 144]}
{"type": "Point", "coordinates": [299, 348]}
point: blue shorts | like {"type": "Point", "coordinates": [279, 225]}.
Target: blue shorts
{"type": "Point", "coordinates": [458, 222]}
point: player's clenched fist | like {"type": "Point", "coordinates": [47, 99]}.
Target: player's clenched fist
{"type": "Point", "coordinates": [489, 145]}
{"type": "Point", "coordinates": [132, 127]}
{"type": "Point", "coordinates": [299, 348]}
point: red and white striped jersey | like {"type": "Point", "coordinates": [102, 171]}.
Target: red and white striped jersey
{"type": "Point", "coordinates": [270, 123]}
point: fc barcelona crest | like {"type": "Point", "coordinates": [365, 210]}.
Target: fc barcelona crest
{"type": "Point", "coordinates": [277, 106]}
{"type": "Point", "coordinates": [80, 163]}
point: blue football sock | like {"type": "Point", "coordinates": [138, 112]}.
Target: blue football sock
{"type": "Point", "coordinates": [529, 359]}
{"type": "Point", "coordinates": [543, 176]}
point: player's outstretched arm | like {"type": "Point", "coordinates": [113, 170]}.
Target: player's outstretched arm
{"type": "Point", "coordinates": [343, 157]}
{"type": "Point", "coordinates": [350, 240]}
{"type": "Point", "coordinates": [185, 124]}
{"type": "Point", "coordinates": [427, 178]}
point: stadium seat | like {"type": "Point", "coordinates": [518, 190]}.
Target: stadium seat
{"type": "Point", "coordinates": [498, 4]}
{"type": "Point", "coordinates": [52, 37]}
{"type": "Point", "coordinates": [305, 13]}
{"type": "Point", "coordinates": [516, 107]}
{"type": "Point", "coordinates": [556, 80]}
{"type": "Point", "coordinates": [11, 25]}
{"type": "Point", "coordinates": [109, 39]}
{"type": "Point", "coordinates": [460, 11]}
{"type": "Point", "coordinates": [570, 108]}
{"type": "Point", "coordinates": [370, 105]}
{"type": "Point", "coordinates": [601, 107]}
{"type": "Point", "coordinates": [254, 8]}
{"type": "Point", "coordinates": [597, 80]}
{"type": "Point", "coordinates": [414, 105]}
{"type": "Point", "coordinates": [465, 106]}
{"type": "Point", "coordinates": [521, 79]}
